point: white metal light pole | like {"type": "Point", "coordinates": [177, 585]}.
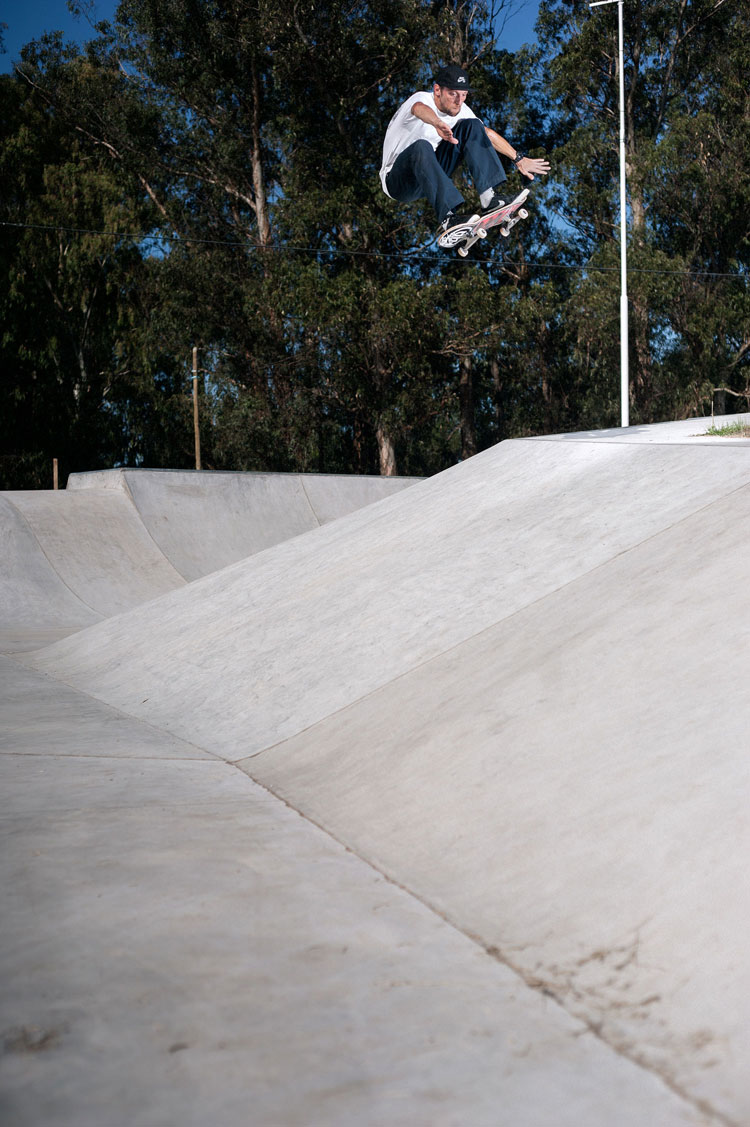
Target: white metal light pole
{"type": "Point", "coordinates": [624, 364]}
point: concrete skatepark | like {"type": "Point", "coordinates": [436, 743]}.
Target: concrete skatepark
{"type": "Point", "coordinates": [331, 801]}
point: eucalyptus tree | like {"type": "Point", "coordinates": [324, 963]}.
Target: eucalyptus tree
{"type": "Point", "coordinates": [66, 259]}
{"type": "Point", "coordinates": [688, 175]}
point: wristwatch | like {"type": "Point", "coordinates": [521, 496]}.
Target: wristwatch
{"type": "Point", "coordinates": [519, 156]}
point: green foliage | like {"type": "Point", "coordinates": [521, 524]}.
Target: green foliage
{"type": "Point", "coordinates": [205, 173]}
{"type": "Point", "coordinates": [688, 166]}
{"type": "Point", "coordinates": [62, 301]}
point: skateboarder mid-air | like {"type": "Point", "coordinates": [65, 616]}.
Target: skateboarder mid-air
{"type": "Point", "coordinates": [428, 137]}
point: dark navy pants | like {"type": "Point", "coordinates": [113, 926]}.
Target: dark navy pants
{"type": "Point", "coordinates": [421, 170]}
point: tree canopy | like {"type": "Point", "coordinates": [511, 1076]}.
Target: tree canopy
{"type": "Point", "coordinates": [204, 173]}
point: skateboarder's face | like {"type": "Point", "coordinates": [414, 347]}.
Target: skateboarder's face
{"type": "Point", "coordinates": [447, 100]}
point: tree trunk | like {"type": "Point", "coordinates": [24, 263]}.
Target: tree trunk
{"type": "Point", "coordinates": [386, 452]}
{"type": "Point", "coordinates": [642, 376]}
{"type": "Point", "coordinates": [466, 409]}
{"type": "Point", "coordinates": [259, 183]}
{"type": "Point", "coordinates": [497, 397]}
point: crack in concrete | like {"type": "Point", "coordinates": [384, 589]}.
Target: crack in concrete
{"type": "Point", "coordinates": [532, 982]}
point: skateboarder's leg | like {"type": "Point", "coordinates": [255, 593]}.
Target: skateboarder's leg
{"type": "Point", "coordinates": [417, 173]}
{"type": "Point", "coordinates": [474, 148]}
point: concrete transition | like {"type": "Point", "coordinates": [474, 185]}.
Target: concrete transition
{"type": "Point", "coordinates": [117, 538]}
{"type": "Point", "coordinates": [431, 814]}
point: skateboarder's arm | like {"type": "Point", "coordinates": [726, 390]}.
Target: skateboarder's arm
{"type": "Point", "coordinates": [424, 113]}
{"type": "Point", "coordinates": [527, 166]}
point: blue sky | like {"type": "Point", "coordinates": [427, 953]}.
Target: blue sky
{"type": "Point", "coordinates": [28, 19]}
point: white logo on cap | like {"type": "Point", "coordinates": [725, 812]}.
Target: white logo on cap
{"type": "Point", "coordinates": [462, 80]}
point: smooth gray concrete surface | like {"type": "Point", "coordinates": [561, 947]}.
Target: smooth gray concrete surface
{"type": "Point", "coordinates": [204, 521]}
{"type": "Point", "coordinates": [98, 547]}
{"type": "Point", "coordinates": [582, 773]}
{"type": "Point", "coordinates": [517, 694]}
{"type": "Point", "coordinates": [179, 947]}
{"type": "Point", "coordinates": [115, 539]}
{"type": "Point", "coordinates": [691, 432]}
{"type": "Point", "coordinates": [258, 652]}
{"type": "Point", "coordinates": [36, 607]}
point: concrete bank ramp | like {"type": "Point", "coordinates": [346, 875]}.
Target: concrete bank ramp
{"type": "Point", "coordinates": [204, 521]}
{"type": "Point", "coordinates": [282, 639]}
{"type": "Point", "coordinates": [520, 690]}
{"type": "Point", "coordinates": [116, 539]}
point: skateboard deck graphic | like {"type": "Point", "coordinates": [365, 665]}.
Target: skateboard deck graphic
{"type": "Point", "coordinates": [464, 235]}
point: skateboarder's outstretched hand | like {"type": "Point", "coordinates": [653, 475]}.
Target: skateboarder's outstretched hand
{"type": "Point", "coordinates": [428, 115]}
{"type": "Point", "coordinates": [533, 166]}
{"type": "Point", "coordinates": [446, 133]}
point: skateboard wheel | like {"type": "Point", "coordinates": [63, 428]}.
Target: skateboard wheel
{"type": "Point", "coordinates": [523, 213]}
{"type": "Point", "coordinates": [482, 234]}
{"type": "Point", "coordinates": [504, 231]}
{"type": "Point", "coordinates": [463, 251]}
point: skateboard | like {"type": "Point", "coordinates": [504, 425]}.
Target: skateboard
{"type": "Point", "coordinates": [464, 235]}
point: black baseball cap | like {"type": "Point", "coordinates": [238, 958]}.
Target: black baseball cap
{"type": "Point", "coordinates": [453, 78]}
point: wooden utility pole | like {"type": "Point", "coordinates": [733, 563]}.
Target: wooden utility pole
{"type": "Point", "coordinates": [54, 473]}
{"type": "Point", "coordinates": [196, 426]}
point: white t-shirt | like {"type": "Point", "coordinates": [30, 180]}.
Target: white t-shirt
{"type": "Point", "coordinates": [404, 129]}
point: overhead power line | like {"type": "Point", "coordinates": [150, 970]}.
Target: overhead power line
{"type": "Point", "coordinates": [340, 252]}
